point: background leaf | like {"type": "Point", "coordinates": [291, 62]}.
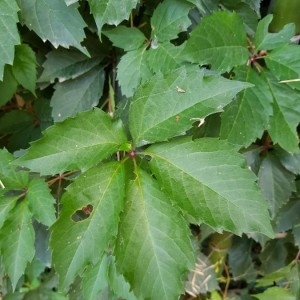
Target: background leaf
{"type": "Point", "coordinates": [48, 20]}
{"type": "Point", "coordinates": [8, 86]}
{"type": "Point", "coordinates": [9, 35]}
{"type": "Point", "coordinates": [153, 249]}
{"type": "Point", "coordinates": [206, 180]}
{"type": "Point", "coordinates": [77, 143]}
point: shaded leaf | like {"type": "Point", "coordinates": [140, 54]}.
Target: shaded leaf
{"type": "Point", "coordinates": [17, 242]}
{"type": "Point", "coordinates": [66, 64]}
{"type": "Point", "coordinates": [153, 249]}
{"type": "Point", "coordinates": [218, 40]}
{"type": "Point", "coordinates": [77, 95]}
{"type": "Point", "coordinates": [40, 201]}
{"type": "Point", "coordinates": [8, 86]}
{"type": "Point", "coordinates": [246, 117]}
{"type": "Point", "coordinates": [294, 277]}
{"type": "Point", "coordinates": [264, 40]}
{"type": "Point", "coordinates": [77, 143]}
{"type": "Point", "coordinates": [207, 180]}
{"type": "Point", "coordinates": [111, 12]}
{"type": "Point", "coordinates": [276, 183]}
{"type": "Point", "coordinates": [171, 104]}
{"type": "Point", "coordinates": [84, 240]}
{"type": "Point", "coordinates": [289, 216]}
{"type": "Point", "coordinates": [125, 37]}
{"type": "Point", "coordinates": [169, 19]}
{"type": "Point", "coordinates": [133, 70]}
{"type": "Point", "coordinates": [54, 21]}
{"type": "Point", "coordinates": [291, 161]}
{"type": "Point", "coordinates": [9, 35]}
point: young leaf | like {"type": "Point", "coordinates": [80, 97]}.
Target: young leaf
{"type": "Point", "coordinates": [276, 183]}
{"type": "Point", "coordinates": [133, 70]}
{"type": "Point", "coordinates": [9, 36]}
{"type": "Point", "coordinates": [267, 41]}
{"type": "Point", "coordinates": [88, 220]}
{"type": "Point", "coordinates": [111, 11]}
{"type": "Point", "coordinates": [171, 104]}
{"type": "Point", "coordinates": [169, 19]}
{"type": "Point", "coordinates": [126, 38]}
{"type": "Point", "coordinates": [218, 40]}
{"type": "Point", "coordinates": [17, 242]}
{"type": "Point", "coordinates": [41, 202]}
{"type": "Point", "coordinates": [77, 95]}
{"type": "Point", "coordinates": [246, 117]}
{"type": "Point", "coordinates": [206, 180]}
{"type": "Point", "coordinates": [24, 68]}
{"type": "Point", "coordinates": [77, 143]}
{"type": "Point", "coordinates": [153, 249]}
{"type": "Point", "coordinates": [54, 21]}
{"type": "Point", "coordinates": [66, 64]}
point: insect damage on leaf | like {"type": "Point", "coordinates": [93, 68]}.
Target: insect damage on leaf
{"type": "Point", "coordinates": [83, 213]}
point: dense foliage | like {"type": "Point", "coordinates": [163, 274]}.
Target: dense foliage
{"type": "Point", "coordinates": [150, 150]}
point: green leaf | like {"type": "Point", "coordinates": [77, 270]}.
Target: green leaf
{"type": "Point", "coordinates": [9, 35]}
{"type": "Point", "coordinates": [294, 276]}
{"type": "Point", "coordinates": [7, 203]}
{"type": "Point", "coordinates": [17, 242]}
{"type": "Point", "coordinates": [8, 85]}
{"type": "Point", "coordinates": [24, 68]}
{"type": "Point", "coordinates": [169, 19]}
{"type": "Point", "coordinates": [126, 38]}
{"type": "Point", "coordinates": [288, 216]}
{"type": "Point", "coordinates": [267, 41]}
{"type": "Point", "coordinates": [111, 11]}
{"type": "Point", "coordinates": [14, 121]}
{"type": "Point", "coordinates": [10, 177]}
{"type": "Point", "coordinates": [66, 64]}
{"type": "Point", "coordinates": [77, 143]}
{"type": "Point", "coordinates": [290, 161]}
{"type": "Point", "coordinates": [275, 293]}
{"type": "Point", "coordinates": [133, 70]}
{"type": "Point", "coordinates": [41, 202]}
{"type": "Point", "coordinates": [77, 95]}
{"type": "Point", "coordinates": [85, 235]}
{"type": "Point", "coordinates": [218, 40]}
{"type": "Point", "coordinates": [153, 249]}
{"type": "Point", "coordinates": [207, 181]}
{"type": "Point", "coordinates": [246, 117]}
{"type": "Point", "coordinates": [169, 105]}
{"type": "Point", "coordinates": [276, 183]}
{"type": "Point", "coordinates": [54, 21]}
{"type": "Point", "coordinates": [285, 118]}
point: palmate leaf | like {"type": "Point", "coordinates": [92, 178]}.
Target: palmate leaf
{"type": "Point", "coordinates": [206, 180]}
{"type": "Point", "coordinates": [111, 12]}
{"type": "Point", "coordinates": [169, 19]}
{"type": "Point", "coordinates": [9, 36]}
{"type": "Point", "coordinates": [17, 242]}
{"type": "Point", "coordinates": [77, 143]}
{"type": "Point", "coordinates": [54, 21]}
{"type": "Point", "coordinates": [246, 117]}
{"type": "Point", "coordinates": [79, 237]}
{"type": "Point", "coordinates": [153, 249]}
{"type": "Point", "coordinates": [77, 95]}
{"type": "Point", "coordinates": [276, 183]}
{"type": "Point", "coordinates": [170, 104]}
{"type": "Point", "coordinates": [218, 40]}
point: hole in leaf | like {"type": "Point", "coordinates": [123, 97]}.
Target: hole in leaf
{"type": "Point", "coordinates": [83, 213]}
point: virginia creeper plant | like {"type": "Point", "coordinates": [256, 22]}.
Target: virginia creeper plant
{"type": "Point", "coordinates": [150, 150]}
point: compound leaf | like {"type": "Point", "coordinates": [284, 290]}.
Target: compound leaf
{"type": "Point", "coordinates": [170, 104]}
{"type": "Point", "coordinates": [169, 19]}
{"type": "Point", "coordinates": [77, 143]}
{"type": "Point", "coordinates": [206, 179]}
{"type": "Point", "coordinates": [9, 36]}
{"type": "Point", "coordinates": [88, 220]}
{"type": "Point", "coordinates": [17, 242]}
{"type": "Point", "coordinates": [246, 117]}
{"type": "Point", "coordinates": [40, 201]}
{"type": "Point", "coordinates": [24, 68]}
{"type": "Point", "coordinates": [54, 21]}
{"type": "Point", "coordinates": [153, 249]}
{"type": "Point", "coordinates": [111, 12]}
{"type": "Point", "coordinates": [218, 40]}
{"type": "Point", "coordinates": [77, 95]}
